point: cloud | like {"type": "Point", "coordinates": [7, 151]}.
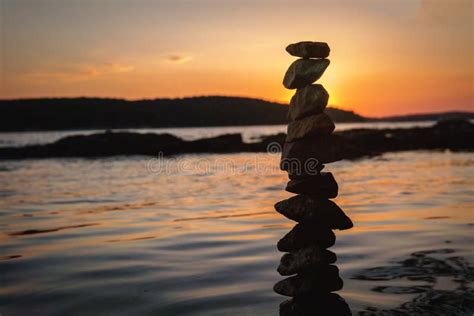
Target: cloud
{"type": "Point", "coordinates": [106, 68]}
{"type": "Point", "coordinates": [441, 13]}
{"type": "Point", "coordinates": [73, 73]}
{"type": "Point", "coordinates": [178, 58]}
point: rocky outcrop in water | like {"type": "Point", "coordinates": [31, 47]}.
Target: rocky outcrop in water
{"type": "Point", "coordinates": [455, 135]}
{"type": "Point", "coordinates": [309, 145]}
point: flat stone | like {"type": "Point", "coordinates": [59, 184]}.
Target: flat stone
{"type": "Point", "coordinates": [304, 156]}
{"type": "Point", "coordinates": [305, 259]}
{"type": "Point", "coordinates": [309, 100]}
{"type": "Point", "coordinates": [323, 185]}
{"type": "Point", "coordinates": [322, 279]}
{"type": "Point", "coordinates": [297, 175]}
{"type": "Point", "coordinates": [316, 304]}
{"type": "Point", "coordinates": [314, 125]}
{"type": "Point", "coordinates": [303, 72]}
{"type": "Point", "coordinates": [305, 208]}
{"type": "Point", "coordinates": [305, 235]}
{"type": "Point", "coordinates": [309, 49]}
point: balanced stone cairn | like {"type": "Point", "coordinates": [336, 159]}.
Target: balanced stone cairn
{"type": "Point", "coordinates": [307, 147]}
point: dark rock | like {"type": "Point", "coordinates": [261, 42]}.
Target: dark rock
{"type": "Point", "coordinates": [304, 156]}
{"type": "Point", "coordinates": [305, 208]}
{"type": "Point", "coordinates": [309, 100]}
{"type": "Point", "coordinates": [305, 259]}
{"type": "Point", "coordinates": [122, 143]}
{"type": "Point", "coordinates": [323, 185]}
{"type": "Point", "coordinates": [314, 125]}
{"type": "Point", "coordinates": [309, 49]}
{"type": "Point", "coordinates": [306, 234]}
{"type": "Point", "coordinates": [302, 174]}
{"type": "Point", "coordinates": [322, 304]}
{"type": "Point", "coordinates": [349, 144]}
{"type": "Point", "coordinates": [322, 279]}
{"type": "Point", "coordinates": [456, 124]}
{"type": "Point", "coordinates": [303, 72]}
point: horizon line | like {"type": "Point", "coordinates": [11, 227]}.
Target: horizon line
{"type": "Point", "coordinates": [337, 107]}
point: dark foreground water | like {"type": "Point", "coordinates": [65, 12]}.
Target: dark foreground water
{"type": "Point", "coordinates": [197, 235]}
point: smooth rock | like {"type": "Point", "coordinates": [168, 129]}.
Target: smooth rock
{"type": "Point", "coordinates": [303, 72]}
{"type": "Point", "coordinates": [305, 208]}
{"type": "Point", "coordinates": [304, 156]}
{"type": "Point", "coordinates": [323, 304]}
{"type": "Point", "coordinates": [309, 100]}
{"type": "Point", "coordinates": [309, 49]}
{"type": "Point", "coordinates": [322, 279]}
{"type": "Point", "coordinates": [314, 125]}
{"type": "Point", "coordinates": [305, 235]}
{"type": "Point", "coordinates": [297, 175]}
{"type": "Point", "coordinates": [323, 185]}
{"type": "Point", "coordinates": [305, 259]}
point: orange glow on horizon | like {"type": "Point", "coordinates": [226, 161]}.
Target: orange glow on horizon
{"type": "Point", "coordinates": [386, 58]}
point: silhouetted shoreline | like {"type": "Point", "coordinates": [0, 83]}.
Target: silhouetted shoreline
{"type": "Point", "coordinates": [47, 114]}
{"type": "Point", "coordinates": [60, 114]}
{"type": "Point", "coordinates": [352, 144]}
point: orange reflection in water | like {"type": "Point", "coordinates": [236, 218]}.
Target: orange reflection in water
{"type": "Point", "coordinates": [207, 224]}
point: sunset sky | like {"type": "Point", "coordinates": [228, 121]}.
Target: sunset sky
{"type": "Point", "coordinates": [387, 57]}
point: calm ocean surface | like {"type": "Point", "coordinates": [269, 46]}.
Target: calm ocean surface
{"type": "Point", "coordinates": [197, 234]}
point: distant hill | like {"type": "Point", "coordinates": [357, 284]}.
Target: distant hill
{"type": "Point", "coordinates": [429, 117]}
{"type": "Point", "coordinates": [99, 113]}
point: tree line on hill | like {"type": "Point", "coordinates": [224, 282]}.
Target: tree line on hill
{"type": "Point", "coordinates": [100, 113]}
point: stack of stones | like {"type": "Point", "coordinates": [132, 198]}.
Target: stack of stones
{"type": "Point", "coordinates": [307, 261]}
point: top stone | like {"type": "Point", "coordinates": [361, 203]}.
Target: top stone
{"type": "Point", "coordinates": [309, 49]}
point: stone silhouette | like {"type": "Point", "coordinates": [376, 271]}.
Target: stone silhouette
{"type": "Point", "coordinates": [308, 145]}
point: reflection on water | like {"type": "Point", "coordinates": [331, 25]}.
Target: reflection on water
{"type": "Point", "coordinates": [110, 236]}
{"type": "Point", "coordinates": [440, 279]}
